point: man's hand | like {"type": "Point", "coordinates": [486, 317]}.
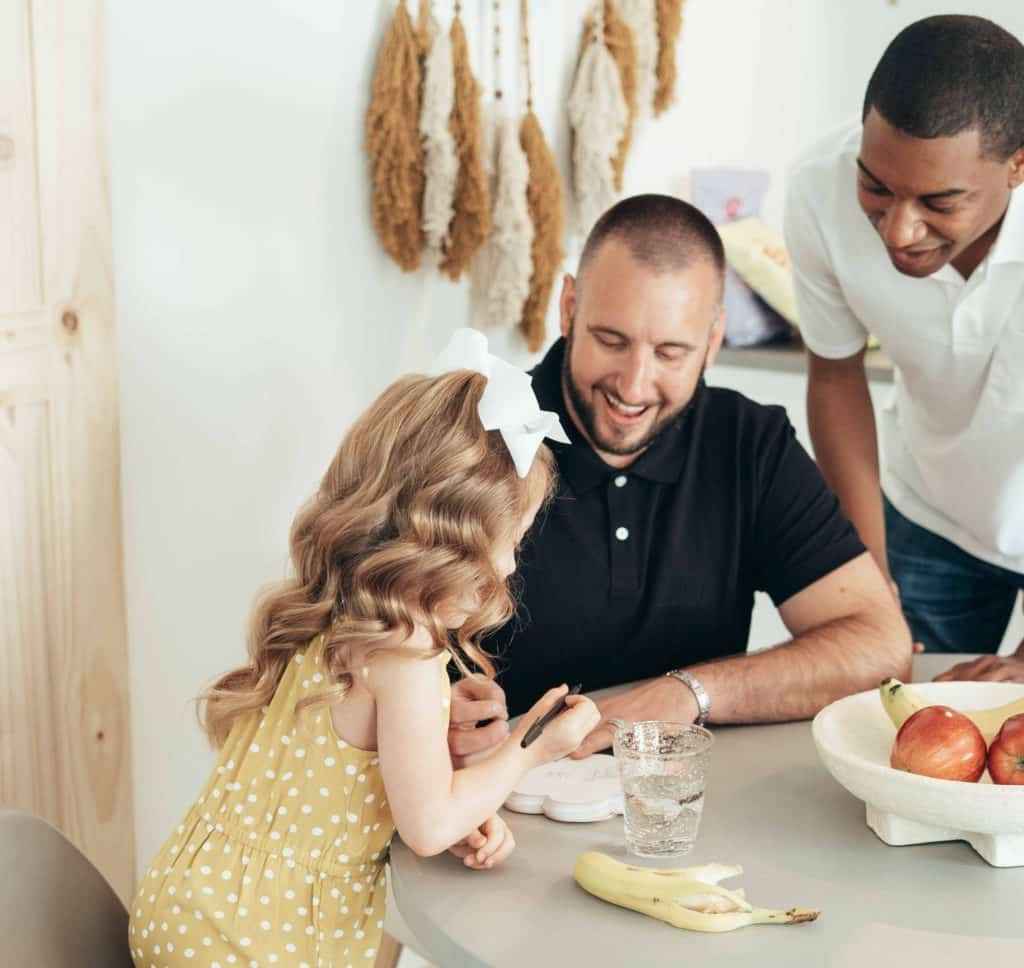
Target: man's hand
{"type": "Point", "coordinates": [490, 844]}
{"type": "Point", "coordinates": [661, 698]}
{"type": "Point", "coordinates": [992, 668]}
{"type": "Point", "coordinates": [476, 699]}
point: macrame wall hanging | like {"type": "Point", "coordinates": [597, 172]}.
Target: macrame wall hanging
{"type": "Point", "coordinates": [502, 271]}
{"type": "Point", "coordinates": [393, 142]}
{"type": "Point", "coordinates": [670, 21]}
{"type": "Point", "coordinates": [445, 194]}
{"type": "Point", "coordinates": [642, 18]}
{"type": "Point", "coordinates": [471, 223]}
{"type": "Point", "coordinates": [441, 162]}
{"type": "Point", "coordinates": [618, 36]}
{"type": "Point", "coordinates": [544, 196]}
{"type": "Point", "coordinates": [599, 116]}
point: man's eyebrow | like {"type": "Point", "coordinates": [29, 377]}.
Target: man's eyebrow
{"type": "Point", "coordinates": [612, 331]}
{"type": "Point", "coordinates": [867, 171]}
{"type": "Point", "coordinates": [946, 193]}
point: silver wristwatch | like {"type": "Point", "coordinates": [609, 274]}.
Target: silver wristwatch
{"type": "Point", "coordinates": [699, 693]}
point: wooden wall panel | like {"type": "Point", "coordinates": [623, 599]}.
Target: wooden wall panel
{"type": "Point", "coordinates": [20, 282]}
{"type": "Point", "coordinates": [64, 737]}
{"type": "Point", "coordinates": [30, 747]}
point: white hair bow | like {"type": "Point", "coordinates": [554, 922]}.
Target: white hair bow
{"type": "Point", "coordinates": [508, 403]}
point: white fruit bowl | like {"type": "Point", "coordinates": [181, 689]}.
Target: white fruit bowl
{"type": "Point", "coordinates": [854, 737]}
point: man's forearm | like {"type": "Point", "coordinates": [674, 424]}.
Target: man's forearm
{"type": "Point", "coordinates": [791, 681]}
{"type": "Point", "coordinates": [797, 678]}
{"type": "Point", "coordinates": [842, 424]}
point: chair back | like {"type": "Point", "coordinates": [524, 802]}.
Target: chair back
{"type": "Point", "coordinates": [56, 909]}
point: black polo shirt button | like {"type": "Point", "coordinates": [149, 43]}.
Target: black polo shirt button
{"type": "Point", "coordinates": [622, 533]}
{"type": "Point", "coordinates": [620, 481]}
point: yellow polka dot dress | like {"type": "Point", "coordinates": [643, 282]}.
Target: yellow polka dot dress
{"type": "Point", "coordinates": [281, 860]}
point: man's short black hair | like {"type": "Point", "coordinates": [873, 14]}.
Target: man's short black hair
{"type": "Point", "coordinates": [662, 232]}
{"type": "Point", "coordinates": [944, 75]}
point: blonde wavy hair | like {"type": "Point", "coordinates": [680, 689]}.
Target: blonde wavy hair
{"type": "Point", "coordinates": [405, 522]}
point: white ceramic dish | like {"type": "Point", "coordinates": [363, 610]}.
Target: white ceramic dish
{"type": "Point", "coordinates": [575, 791]}
{"type": "Point", "coordinates": [854, 738]}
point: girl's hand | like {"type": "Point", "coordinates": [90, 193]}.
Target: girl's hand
{"type": "Point", "coordinates": [565, 732]}
{"type": "Point", "coordinates": [490, 844]}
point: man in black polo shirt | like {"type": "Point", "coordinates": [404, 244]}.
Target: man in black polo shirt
{"type": "Point", "coordinates": [676, 502]}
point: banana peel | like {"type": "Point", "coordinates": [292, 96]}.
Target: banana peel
{"type": "Point", "coordinates": [900, 701]}
{"type": "Point", "coordinates": [688, 897]}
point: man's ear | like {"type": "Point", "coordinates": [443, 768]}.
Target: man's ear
{"type": "Point", "coordinates": [567, 303]}
{"type": "Point", "coordinates": [1016, 171]}
{"type": "Point", "coordinates": [717, 335]}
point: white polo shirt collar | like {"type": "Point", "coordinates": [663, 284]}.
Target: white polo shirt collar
{"type": "Point", "coordinates": [1009, 244]}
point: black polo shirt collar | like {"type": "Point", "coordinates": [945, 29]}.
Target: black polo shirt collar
{"type": "Point", "coordinates": [662, 462]}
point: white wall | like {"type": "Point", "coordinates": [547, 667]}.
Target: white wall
{"type": "Point", "coordinates": [258, 315]}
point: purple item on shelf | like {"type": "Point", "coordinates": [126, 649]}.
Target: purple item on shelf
{"type": "Point", "coordinates": [724, 195]}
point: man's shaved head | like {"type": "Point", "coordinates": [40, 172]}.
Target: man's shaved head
{"type": "Point", "coordinates": [663, 233]}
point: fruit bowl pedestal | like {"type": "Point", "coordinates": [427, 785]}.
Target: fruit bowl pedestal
{"type": "Point", "coordinates": [854, 738]}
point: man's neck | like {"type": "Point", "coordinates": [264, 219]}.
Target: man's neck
{"type": "Point", "coordinates": [973, 256]}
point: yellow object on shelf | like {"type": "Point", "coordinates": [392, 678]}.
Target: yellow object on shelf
{"type": "Point", "coordinates": [758, 254]}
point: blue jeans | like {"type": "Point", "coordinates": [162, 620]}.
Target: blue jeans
{"type": "Point", "coordinates": [952, 601]}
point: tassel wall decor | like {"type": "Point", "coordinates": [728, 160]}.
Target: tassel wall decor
{"type": "Point", "coordinates": [482, 268]}
{"type": "Point", "coordinates": [642, 17]}
{"type": "Point", "coordinates": [441, 163]}
{"type": "Point", "coordinates": [619, 39]}
{"type": "Point", "coordinates": [501, 273]}
{"type": "Point", "coordinates": [393, 142]}
{"type": "Point", "coordinates": [670, 20]}
{"type": "Point", "coordinates": [506, 261]}
{"type": "Point", "coordinates": [472, 221]}
{"type": "Point", "coordinates": [426, 29]}
{"type": "Point", "coordinates": [598, 113]}
{"type": "Point", "coordinates": [544, 196]}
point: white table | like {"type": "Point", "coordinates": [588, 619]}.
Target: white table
{"type": "Point", "coordinates": [802, 840]}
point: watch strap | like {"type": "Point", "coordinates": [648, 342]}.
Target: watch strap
{"type": "Point", "coordinates": [698, 690]}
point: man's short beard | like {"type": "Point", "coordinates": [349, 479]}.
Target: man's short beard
{"type": "Point", "coordinates": [585, 409]}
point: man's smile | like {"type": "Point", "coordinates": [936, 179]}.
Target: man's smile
{"type": "Point", "coordinates": [622, 413]}
{"type": "Point", "coordinates": [911, 259]}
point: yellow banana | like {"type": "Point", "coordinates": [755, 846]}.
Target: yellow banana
{"type": "Point", "coordinates": [901, 701]}
{"type": "Point", "coordinates": [688, 897]}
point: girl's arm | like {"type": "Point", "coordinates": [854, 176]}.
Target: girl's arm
{"type": "Point", "coordinates": [434, 806]}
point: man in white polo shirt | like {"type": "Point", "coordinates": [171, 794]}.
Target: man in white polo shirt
{"type": "Point", "coordinates": [907, 226]}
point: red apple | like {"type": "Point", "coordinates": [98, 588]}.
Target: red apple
{"type": "Point", "coordinates": [940, 742]}
{"type": "Point", "coordinates": [1006, 754]}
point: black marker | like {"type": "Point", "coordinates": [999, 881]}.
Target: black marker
{"type": "Point", "coordinates": [538, 727]}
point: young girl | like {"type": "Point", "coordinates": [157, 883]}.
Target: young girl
{"type": "Point", "coordinates": [334, 734]}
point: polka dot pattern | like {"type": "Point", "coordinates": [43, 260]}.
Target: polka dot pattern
{"type": "Point", "coordinates": [281, 859]}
